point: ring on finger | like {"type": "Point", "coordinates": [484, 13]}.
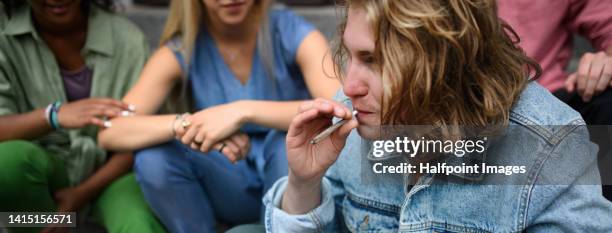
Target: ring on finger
{"type": "Point", "coordinates": [222, 146]}
{"type": "Point", "coordinates": [185, 123]}
{"type": "Point", "coordinates": [183, 120]}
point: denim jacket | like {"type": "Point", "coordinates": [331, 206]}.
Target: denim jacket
{"type": "Point", "coordinates": [559, 191]}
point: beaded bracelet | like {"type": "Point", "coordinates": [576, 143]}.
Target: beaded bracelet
{"type": "Point", "coordinates": [53, 117]}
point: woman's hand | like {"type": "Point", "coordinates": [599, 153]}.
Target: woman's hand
{"type": "Point", "coordinates": [235, 148]}
{"type": "Point", "coordinates": [209, 126]}
{"type": "Point", "coordinates": [308, 162]}
{"type": "Point", "coordinates": [86, 112]}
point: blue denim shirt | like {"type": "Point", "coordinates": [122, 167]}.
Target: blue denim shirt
{"type": "Point", "coordinates": [558, 192]}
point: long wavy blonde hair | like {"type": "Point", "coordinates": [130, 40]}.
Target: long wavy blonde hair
{"type": "Point", "coordinates": [185, 19]}
{"type": "Point", "coordinates": [443, 62]}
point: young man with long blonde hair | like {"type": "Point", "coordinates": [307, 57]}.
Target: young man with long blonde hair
{"type": "Point", "coordinates": [438, 63]}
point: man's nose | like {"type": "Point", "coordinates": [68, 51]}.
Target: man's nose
{"type": "Point", "coordinates": [354, 84]}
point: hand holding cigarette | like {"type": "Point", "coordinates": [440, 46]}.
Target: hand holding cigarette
{"type": "Point", "coordinates": [313, 142]}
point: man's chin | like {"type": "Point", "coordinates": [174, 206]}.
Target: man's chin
{"type": "Point", "coordinates": [369, 132]}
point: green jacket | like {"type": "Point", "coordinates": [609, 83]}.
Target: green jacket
{"type": "Point", "coordinates": [30, 78]}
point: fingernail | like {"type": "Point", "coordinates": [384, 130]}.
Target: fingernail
{"type": "Point", "coordinates": [108, 124]}
{"type": "Point", "coordinates": [339, 110]}
{"type": "Point", "coordinates": [126, 113]}
{"type": "Point", "coordinates": [131, 107]}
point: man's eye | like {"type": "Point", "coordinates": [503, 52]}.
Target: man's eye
{"type": "Point", "coordinates": [368, 59]}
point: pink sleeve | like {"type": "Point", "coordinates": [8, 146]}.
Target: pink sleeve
{"type": "Point", "coordinates": [592, 19]}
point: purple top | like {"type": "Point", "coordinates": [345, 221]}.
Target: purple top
{"type": "Point", "coordinates": [77, 83]}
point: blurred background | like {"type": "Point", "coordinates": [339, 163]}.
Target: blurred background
{"type": "Point", "coordinates": [150, 16]}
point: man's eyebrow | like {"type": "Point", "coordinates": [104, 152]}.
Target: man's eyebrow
{"type": "Point", "coordinates": [359, 51]}
{"type": "Point", "coordinates": [365, 53]}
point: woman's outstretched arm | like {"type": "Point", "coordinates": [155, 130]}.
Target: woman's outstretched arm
{"type": "Point", "coordinates": [211, 125]}
{"type": "Point", "coordinates": [314, 58]}
{"type": "Point", "coordinates": [158, 77]}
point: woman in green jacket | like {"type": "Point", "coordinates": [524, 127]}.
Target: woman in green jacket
{"type": "Point", "coordinates": [63, 64]}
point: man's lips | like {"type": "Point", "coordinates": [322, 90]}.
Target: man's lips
{"type": "Point", "coordinates": [363, 112]}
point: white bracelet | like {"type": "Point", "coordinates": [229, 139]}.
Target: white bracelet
{"type": "Point", "coordinates": [47, 114]}
{"type": "Point", "coordinates": [173, 126]}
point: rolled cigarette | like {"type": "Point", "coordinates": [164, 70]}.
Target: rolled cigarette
{"type": "Point", "coordinates": [330, 130]}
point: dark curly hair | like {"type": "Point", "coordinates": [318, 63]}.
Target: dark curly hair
{"type": "Point", "coordinates": [108, 5]}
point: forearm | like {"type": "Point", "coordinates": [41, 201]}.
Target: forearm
{"type": "Point", "coordinates": [24, 126]}
{"type": "Point", "coordinates": [135, 132]}
{"type": "Point", "coordinates": [272, 114]}
{"type": "Point", "coordinates": [118, 165]}
{"type": "Point", "coordinates": [301, 197]}
{"type": "Point", "coordinates": [609, 51]}
{"type": "Point", "coordinates": [321, 218]}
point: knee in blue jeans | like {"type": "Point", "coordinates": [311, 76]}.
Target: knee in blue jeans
{"type": "Point", "coordinates": [275, 154]}
{"type": "Point", "coordinates": [154, 165]}
{"type": "Point", "coordinates": [274, 145]}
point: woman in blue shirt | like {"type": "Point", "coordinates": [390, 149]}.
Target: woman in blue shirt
{"type": "Point", "coordinates": [245, 71]}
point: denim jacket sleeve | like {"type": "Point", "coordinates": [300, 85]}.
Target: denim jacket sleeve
{"type": "Point", "coordinates": [570, 201]}
{"type": "Point", "coordinates": [320, 219]}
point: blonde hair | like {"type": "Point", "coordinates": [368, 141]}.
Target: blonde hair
{"type": "Point", "coordinates": [443, 62]}
{"type": "Point", "coordinates": [184, 21]}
